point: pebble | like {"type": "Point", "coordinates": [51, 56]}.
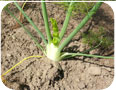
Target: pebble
{"type": "Point", "coordinates": [94, 70]}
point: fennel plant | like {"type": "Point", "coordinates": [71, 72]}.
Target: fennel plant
{"type": "Point", "coordinates": [54, 44]}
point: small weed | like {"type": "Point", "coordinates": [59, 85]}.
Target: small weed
{"type": "Point", "coordinates": [81, 8]}
{"type": "Point", "coordinates": [93, 38]}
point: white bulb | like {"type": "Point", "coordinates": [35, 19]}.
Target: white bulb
{"type": "Point", "coordinates": [52, 52]}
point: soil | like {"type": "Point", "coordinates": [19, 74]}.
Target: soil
{"type": "Point", "coordinates": [79, 73]}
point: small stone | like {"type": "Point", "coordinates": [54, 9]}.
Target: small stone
{"type": "Point", "coordinates": [94, 70]}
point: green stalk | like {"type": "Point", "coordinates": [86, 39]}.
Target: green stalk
{"type": "Point", "coordinates": [45, 16]}
{"type": "Point", "coordinates": [26, 30]}
{"type": "Point", "coordinates": [65, 24]}
{"type": "Point", "coordinates": [88, 55]}
{"type": "Point", "coordinates": [83, 22]}
{"type": "Point", "coordinates": [31, 22]}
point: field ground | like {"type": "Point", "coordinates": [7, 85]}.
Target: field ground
{"type": "Point", "coordinates": [79, 73]}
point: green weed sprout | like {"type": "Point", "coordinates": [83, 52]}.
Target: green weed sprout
{"type": "Point", "coordinates": [92, 38]}
{"type": "Point", "coordinates": [54, 44]}
{"type": "Point", "coordinates": [81, 8]}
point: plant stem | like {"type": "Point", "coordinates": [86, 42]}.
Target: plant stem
{"type": "Point", "coordinates": [45, 16]}
{"type": "Point", "coordinates": [89, 55]}
{"type": "Point", "coordinates": [31, 22]}
{"type": "Point", "coordinates": [26, 30]}
{"type": "Point", "coordinates": [83, 22]}
{"type": "Point", "coordinates": [65, 24]}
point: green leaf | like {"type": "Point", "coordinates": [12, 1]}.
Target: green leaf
{"type": "Point", "coordinates": [55, 35]}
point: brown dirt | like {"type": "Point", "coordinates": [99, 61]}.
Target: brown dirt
{"type": "Point", "coordinates": [79, 73]}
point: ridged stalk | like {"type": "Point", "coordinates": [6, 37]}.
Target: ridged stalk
{"type": "Point", "coordinates": [45, 16]}
{"type": "Point", "coordinates": [65, 24]}
{"type": "Point", "coordinates": [83, 22]}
